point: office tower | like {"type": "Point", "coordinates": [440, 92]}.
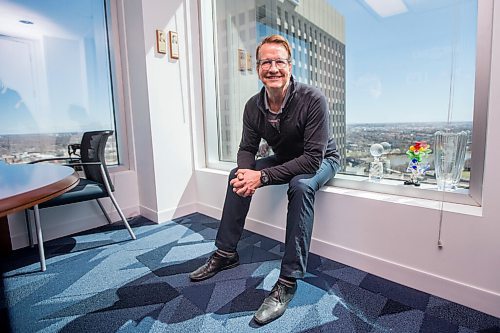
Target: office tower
{"type": "Point", "coordinates": [316, 33]}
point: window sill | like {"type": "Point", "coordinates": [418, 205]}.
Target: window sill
{"type": "Point", "coordinates": [396, 187]}
{"type": "Point", "coordinates": [459, 208]}
{"type": "Point", "coordinates": [402, 194]}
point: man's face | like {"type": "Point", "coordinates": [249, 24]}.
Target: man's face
{"type": "Point", "coordinates": [278, 74]}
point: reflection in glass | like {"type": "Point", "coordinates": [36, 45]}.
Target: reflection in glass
{"type": "Point", "coordinates": [55, 80]}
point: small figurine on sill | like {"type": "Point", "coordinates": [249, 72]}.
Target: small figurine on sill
{"type": "Point", "coordinates": [417, 166]}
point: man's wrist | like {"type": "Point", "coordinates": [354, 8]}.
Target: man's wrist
{"type": "Point", "coordinates": [264, 177]}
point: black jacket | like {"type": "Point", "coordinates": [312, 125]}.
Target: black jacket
{"type": "Point", "coordinates": [305, 136]}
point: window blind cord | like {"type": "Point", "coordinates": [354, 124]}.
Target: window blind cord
{"type": "Point", "coordinates": [450, 110]}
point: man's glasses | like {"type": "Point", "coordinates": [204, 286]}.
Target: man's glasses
{"type": "Point", "coordinates": [266, 64]}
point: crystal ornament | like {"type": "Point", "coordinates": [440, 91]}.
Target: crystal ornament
{"type": "Point", "coordinates": [376, 172]}
{"type": "Point", "coordinates": [449, 158]}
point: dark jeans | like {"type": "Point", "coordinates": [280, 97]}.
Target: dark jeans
{"type": "Point", "coordinates": [299, 221]}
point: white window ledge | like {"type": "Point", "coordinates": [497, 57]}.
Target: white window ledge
{"type": "Point", "coordinates": [397, 187]}
{"type": "Point", "coordinates": [404, 200]}
{"type": "Point", "coordinates": [400, 196]}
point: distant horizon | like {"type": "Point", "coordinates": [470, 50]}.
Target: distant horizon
{"type": "Point", "coordinates": [414, 123]}
{"type": "Point", "coordinates": [47, 133]}
{"type": "Point", "coordinates": [347, 124]}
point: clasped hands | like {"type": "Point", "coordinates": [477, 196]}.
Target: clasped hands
{"type": "Point", "coordinates": [246, 182]}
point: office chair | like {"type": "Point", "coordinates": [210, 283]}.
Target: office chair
{"type": "Point", "coordinates": [95, 185]}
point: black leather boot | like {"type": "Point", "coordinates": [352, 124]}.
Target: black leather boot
{"type": "Point", "coordinates": [275, 304]}
{"type": "Point", "coordinates": [214, 265]}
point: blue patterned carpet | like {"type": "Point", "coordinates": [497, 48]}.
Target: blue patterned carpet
{"type": "Point", "coordinates": [100, 281]}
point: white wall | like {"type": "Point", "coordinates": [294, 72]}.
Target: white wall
{"type": "Point", "coordinates": [156, 90]}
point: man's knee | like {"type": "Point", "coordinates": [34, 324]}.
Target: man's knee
{"type": "Point", "coordinates": [301, 185]}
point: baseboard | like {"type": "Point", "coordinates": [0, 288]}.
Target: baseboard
{"type": "Point", "coordinates": [149, 213]}
{"type": "Point", "coordinates": [482, 300]}
{"type": "Point", "coordinates": [211, 211]}
{"type": "Point", "coordinates": [168, 214]}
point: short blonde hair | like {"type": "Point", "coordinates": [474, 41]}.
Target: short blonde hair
{"type": "Point", "coordinates": [274, 39]}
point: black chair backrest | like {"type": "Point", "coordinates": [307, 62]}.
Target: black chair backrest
{"type": "Point", "coordinates": [92, 150]}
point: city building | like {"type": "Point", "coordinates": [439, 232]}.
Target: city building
{"type": "Point", "coordinates": [316, 33]}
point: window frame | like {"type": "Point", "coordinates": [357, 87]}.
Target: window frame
{"type": "Point", "coordinates": [125, 155]}
{"type": "Point", "coordinates": [472, 196]}
{"type": "Point", "coordinates": [112, 47]}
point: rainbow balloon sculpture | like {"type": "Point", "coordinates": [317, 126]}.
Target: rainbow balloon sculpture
{"type": "Point", "coordinates": [417, 154]}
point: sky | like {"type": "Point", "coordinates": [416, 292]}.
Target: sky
{"type": "Point", "coordinates": [399, 68]}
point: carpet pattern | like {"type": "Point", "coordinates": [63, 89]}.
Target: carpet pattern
{"type": "Point", "coordinates": [100, 281]}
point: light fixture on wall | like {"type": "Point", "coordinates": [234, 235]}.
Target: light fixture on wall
{"type": "Point", "coordinates": [387, 8]}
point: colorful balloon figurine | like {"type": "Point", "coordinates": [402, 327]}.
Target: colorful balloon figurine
{"type": "Point", "coordinates": [417, 166]}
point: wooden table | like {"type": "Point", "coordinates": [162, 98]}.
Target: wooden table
{"type": "Point", "coordinates": [27, 185]}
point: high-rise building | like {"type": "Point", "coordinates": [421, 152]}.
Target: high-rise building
{"type": "Point", "coordinates": [316, 33]}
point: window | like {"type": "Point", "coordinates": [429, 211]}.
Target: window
{"type": "Point", "coordinates": [55, 79]}
{"type": "Point", "coordinates": [391, 76]}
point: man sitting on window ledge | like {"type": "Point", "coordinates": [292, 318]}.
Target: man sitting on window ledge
{"type": "Point", "coordinates": [294, 120]}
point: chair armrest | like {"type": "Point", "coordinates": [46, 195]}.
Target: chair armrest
{"type": "Point", "coordinates": [78, 166]}
{"type": "Point", "coordinates": [72, 148]}
{"type": "Point", "coordinates": [101, 170]}
{"type": "Point", "coordinates": [70, 159]}
{"type": "Point", "coordinates": [82, 163]}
